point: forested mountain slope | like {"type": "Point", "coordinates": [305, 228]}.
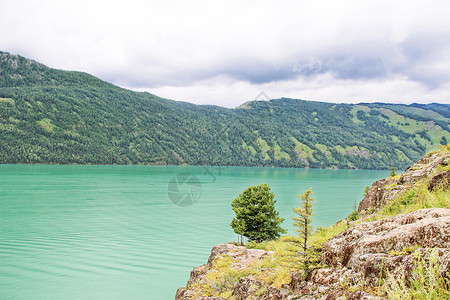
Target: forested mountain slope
{"type": "Point", "coordinates": [62, 117]}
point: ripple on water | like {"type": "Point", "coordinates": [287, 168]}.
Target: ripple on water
{"type": "Point", "coordinates": [111, 232]}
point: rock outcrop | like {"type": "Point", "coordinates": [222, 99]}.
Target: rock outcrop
{"type": "Point", "coordinates": [357, 259]}
{"type": "Point", "coordinates": [390, 243]}
{"type": "Point", "coordinates": [385, 190]}
{"type": "Point", "coordinates": [361, 254]}
{"type": "Point", "coordinates": [240, 254]}
{"type": "Point", "coordinates": [241, 258]}
{"type": "Point", "coordinates": [440, 180]}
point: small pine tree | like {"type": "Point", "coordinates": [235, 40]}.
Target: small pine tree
{"type": "Point", "coordinates": [365, 191]}
{"type": "Point", "coordinates": [393, 172]}
{"type": "Point", "coordinates": [256, 217]}
{"type": "Point", "coordinates": [303, 222]}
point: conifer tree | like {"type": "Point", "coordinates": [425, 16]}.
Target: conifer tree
{"type": "Point", "coordinates": [366, 190]}
{"type": "Point", "coordinates": [393, 172]}
{"type": "Point", "coordinates": [256, 217]}
{"type": "Point", "coordinates": [303, 222]}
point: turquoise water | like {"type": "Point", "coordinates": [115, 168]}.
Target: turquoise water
{"type": "Point", "coordinates": [115, 232]}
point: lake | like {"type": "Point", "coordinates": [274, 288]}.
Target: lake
{"type": "Point", "coordinates": [136, 232]}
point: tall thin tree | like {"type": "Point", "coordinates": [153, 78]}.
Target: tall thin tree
{"type": "Point", "coordinates": [302, 221]}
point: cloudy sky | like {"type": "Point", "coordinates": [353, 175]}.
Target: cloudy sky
{"type": "Point", "coordinates": [227, 52]}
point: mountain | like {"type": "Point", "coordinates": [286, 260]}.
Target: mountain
{"type": "Point", "coordinates": [66, 117]}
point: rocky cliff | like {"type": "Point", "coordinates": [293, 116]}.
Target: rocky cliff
{"type": "Point", "coordinates": [362, 262]}
{"type": "Point", "coordinates": [431, 168]}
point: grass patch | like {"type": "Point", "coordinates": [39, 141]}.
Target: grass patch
{"type": "Point", "coordinates": [7, 100]}
{"type": "Point", "coordinates": [13, 120]}
{"type": "Point", "coordinates": [322, 148]}
{"type": "Point", "coordinates": [416, 198]}
{"type": "Point", "coordinates": [263, 145]}
{"type": "Point", "coordinates": [389, 187]}
{"type": "Point", "coordinates": [220, 282]}
{"type": "Point", "coordinates": [405, 251]}
{"type": "Point", "coordinates": [321, 235]}
{"type": "Point", "coordinates": [353, 216]}
{"type": "Point", "coordinates": [277, 269]}
{"type": "Point", "coordinates": [244, 105]}
{"type": "Point", "coordinates": [278, 154]}
{"type": "Point", "coordinates": [46, 125]}
{"type": "Point", "coordinates": [301, 149]}
{"type": "Point", "coordinates": [425, 283]}
{"type": "Point", "coordinates": [249, 148]}
{"type": "Point", "coordinates": [355, 110]}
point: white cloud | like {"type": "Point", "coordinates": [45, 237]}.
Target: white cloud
{"type": "Point", "coordinates": [232, 93]}
{"type": "Point", "coordinates": [226, 52]}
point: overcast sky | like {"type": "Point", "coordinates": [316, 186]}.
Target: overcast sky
{"type": "Point", "coordinates": [227, 52]}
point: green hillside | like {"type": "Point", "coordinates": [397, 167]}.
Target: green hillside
{"type": "Point", "coordinates": [55, 116]}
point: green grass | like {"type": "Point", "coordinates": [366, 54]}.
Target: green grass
{"type": "Point", "coordinates": [13, 120]}
{"type": "Point", "coordinates": [405, 251]}
{"type": "Point", "coordinates": [6, 100]}
{"type": "Point", "coordinates": [425, 282]}
{"type": "Point", "coordinates": [263, 145]}
{"type": "Point", "coordinates": [321, 235]}
{"type": "Point", "coordinates": [274, 270]}
{"type": "Point", "coordinates": [340, 149]}
{"type": "Point", "coordinates": [411, 126]}
{"type": "Point", "coordinates": [244, 105]}
{"type": "Point", "coordinates": [322, 148]}
{"type": "Point", "coordinates": [355, 109]}
{"type": "Point", "coordinates": [301, 149]}
{"type": "Point", "coordinates": [46, 124]}
{"type": "Point", "coordinates": [436, 134]}
{"type": "Point", "coordinates": [416, 198]}
{"type": "Point", "coordinates": [425, 113]}
{"type": "Point", "coordinates": [249, 148]}
{"type": "Point", "coordinates": [279, 154]}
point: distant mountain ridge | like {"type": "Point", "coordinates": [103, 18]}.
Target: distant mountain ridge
{"type": "Point", "coordinates": [67, 117]}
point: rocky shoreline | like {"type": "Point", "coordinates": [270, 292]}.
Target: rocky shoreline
{"type": "Point", "coordinates": [359, 259]}
{"type": "Point", "coordinates": [357, 255]}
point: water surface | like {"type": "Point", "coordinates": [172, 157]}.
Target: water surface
{"type": "Point", "coordinates": [114, 232]}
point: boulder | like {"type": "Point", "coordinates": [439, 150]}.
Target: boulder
{"type": "Point", "coordinates": [368, 248]}
{"type": "Point", "coordinates": [424, 167]}
{"type": "Point", "coordinates": [241, 257]}
{"type": "Point", "coordinates": [380, 193]}
{"type": "Point", "coordinates": [439, 181]}
{"type": "Point", "coordinates": [240, 254]}
{"type": "Point", "coordinates": [246, 287]}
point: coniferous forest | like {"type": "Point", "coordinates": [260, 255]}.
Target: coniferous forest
{"type": "Point", "coordinates": [52, 116]}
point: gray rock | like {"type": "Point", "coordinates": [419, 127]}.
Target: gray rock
{"type": "Point", "coordinates": [439, 181]}
{"type": "Point", "coordinates": [365, 248]}
{"type": "Point", "coordinates": [385, 190]}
